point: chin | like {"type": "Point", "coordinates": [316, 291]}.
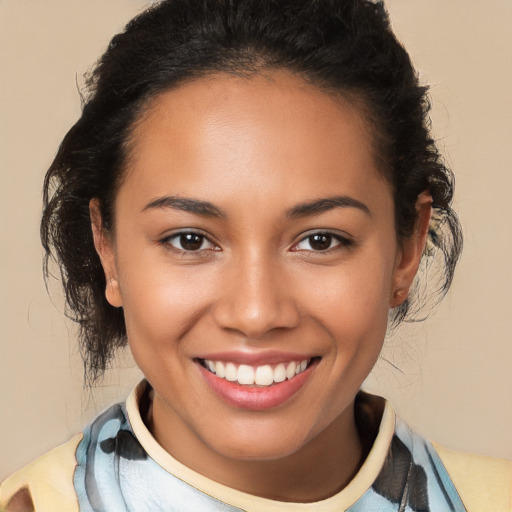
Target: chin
{"type": "Point", "coordinates": [270, 451]}
{"type": "Point", "coordinates": [258, 441]}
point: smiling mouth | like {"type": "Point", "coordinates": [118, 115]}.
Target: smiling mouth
{"type": "Point", "coordinates": [259, 376]}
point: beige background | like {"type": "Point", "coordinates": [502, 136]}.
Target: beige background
{"type": "Point", "coordinates": [455, 380]}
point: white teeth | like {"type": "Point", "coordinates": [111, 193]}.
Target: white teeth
{"type": "Point", "coordinates": [260, 376]}
{"type": "Point", "coordinates": [279, 373]}
{"type": "Point", "coordinates": [264, 375]}
{"type": "Point", "coordinates": [245, 375]}
{"type": "Point", "coordinates": [290, 370]}
{"type": "Point", "coordinates": [219, 369]}
{"type": "Point", "coordinates": [231, 372]}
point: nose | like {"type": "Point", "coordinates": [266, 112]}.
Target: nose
{"type": "Point", "coordinates": [257, 297]}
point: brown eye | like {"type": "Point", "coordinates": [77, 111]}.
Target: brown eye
{"type": "Point", "coordinates": [319, 242]}
{"type": "Point", "coordinates": [188, 242]}
{"type": "Point", "coordinates": [191, 241]}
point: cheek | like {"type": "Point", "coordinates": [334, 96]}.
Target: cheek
{"type": "Point", "coordinates": [351, 304]}
{"type": "Point", "coordinates": [350, 297]}
{"type": "Point", "coordinates": [162, 302]}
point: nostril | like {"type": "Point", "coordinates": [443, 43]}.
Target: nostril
{"type": "Point", "coordinates": [254, 317]}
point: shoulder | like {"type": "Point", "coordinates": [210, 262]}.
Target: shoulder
{"type": "Point", "coordinates": [45, 484]}
{"type": "Point", "coordinates": [450, 480]}
{"type": "Point", "coordinates": [484, 483]}
{"type": "Point", "coordinates": [56, 481]}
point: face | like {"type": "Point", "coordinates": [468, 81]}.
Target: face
{"type": "Point", "coordinates": [255, 258]}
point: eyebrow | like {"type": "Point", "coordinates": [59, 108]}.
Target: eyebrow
{"type": "Point", "coordinates": [319, 206]}
{"type": "Point", "coordinates": [204, 208]}
{"type": "Point", "coordinates": [207, 209]}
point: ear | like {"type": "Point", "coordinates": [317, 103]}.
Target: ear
{"type": "Point", "coordinates": [410, 253]}
{"type": "Point", "coordinates": [106, 252]}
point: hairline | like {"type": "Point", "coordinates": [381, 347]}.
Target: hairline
{"type": "Point", "coordinates": [349, 98]}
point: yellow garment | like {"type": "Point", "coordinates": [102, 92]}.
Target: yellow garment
{"type": "Point", "coordinates": [484, 484]}
{"type": "Point", "coordinates": [48, 479]}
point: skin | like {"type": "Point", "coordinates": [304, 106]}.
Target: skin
{"type": "Point", "coordinates": [256, 148]}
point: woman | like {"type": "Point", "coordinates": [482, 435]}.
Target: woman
{"type": "Point", "coordinates": [245, 201]}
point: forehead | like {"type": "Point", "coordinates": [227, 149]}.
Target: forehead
{"type": "Point", "coordinates": [264, 136]}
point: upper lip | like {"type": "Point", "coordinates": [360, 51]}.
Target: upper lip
{"type": "Point", "coordinates": [256, 358]}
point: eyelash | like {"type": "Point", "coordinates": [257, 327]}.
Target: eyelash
{"type": "Point", "coordinates": [341, 242]}
{"type": "Point", "coordinates": [167, 242]}
{"type": "Point", "coordinates": [334, 237]}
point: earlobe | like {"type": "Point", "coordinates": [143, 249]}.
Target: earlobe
{"type": "Point", "coordinates": [411, 251]}
{"type": "Point", "coordinates": [105, 250]}
{"type": "Point", "coordinates": [398, 297]}
{"type": "Point", "coordinates": [112, 292]}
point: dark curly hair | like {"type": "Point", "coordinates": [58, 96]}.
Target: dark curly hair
{"type": "Point", "coordinates": [342, 46]}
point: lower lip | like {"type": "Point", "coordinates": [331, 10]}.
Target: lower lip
{"type": "Point", "coordinates": [256, 398]}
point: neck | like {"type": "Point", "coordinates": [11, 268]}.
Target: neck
{"type": "Point", "coordinates": [318, 470]}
